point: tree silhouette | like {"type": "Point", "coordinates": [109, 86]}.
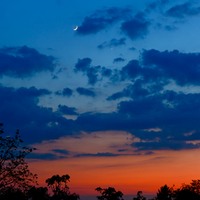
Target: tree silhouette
{"type": "Point", "coordinates": [164, 193]}
{"type": "Point", "coordinates": [14, 172]}
{"type": "Point", "coordinates": [139, 197]}
{"type": "Point", "coordinates": [13, 194]}
{"type": "Point", "coordinates": [191, 191]}
{"type": "Point", "coordinates": [39, 193]}
{"type": "Point", "coordinates": [58, 185]}
{"type": "Point", "coordinates": [109, 194]}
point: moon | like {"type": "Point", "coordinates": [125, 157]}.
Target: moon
{"type": "Point", "coordinates": [75, 28]}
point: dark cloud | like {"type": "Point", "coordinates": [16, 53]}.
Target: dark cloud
{"type": "Point", "coordinates": [112, 43]}
{"type": "Point", "coordinates": [134, 91]}
{"type": "Point", "coordinates": [157, 68]}
{"type": "Point", "coordinates": [101, 19]}
{"type": "Point", "coordinates": [149, 153]}
{"type": "Point", "coordinates": [83, 64]}
{"type": "Point", "coordinates": [156, 4]}
{"type": "Point", "coordinates": [66, 92]}
{"type": "Point", "coordinates": [107, 154]}
{"type": "Point", "coordinates": [54, 77]}
{"type": "Point", "coordinates": [116, 60]}
{"type": "Point", "coordinates": [170, 28]}
{"type": "Point", "coordinates": [43, 156]}
{"type": "Point", "coordinates": [65, 110]}
{"type": "Point", "coordinates": [181, 67]}
{"type": "Point", "coordinates": [174, 113]}
{"type": "Point", "coordinates": [92, 74]}
{"type": "Point", "coordinates": [106, 72]}
{"type": "Point", "coordinates": [36, 123]}
{"type": "Point", "coordinates": [122, 150]}
{"type": "Point", "coordinates": [24, 62]}
{"type": "Point", "coordinates": [84, 91]}
{"type": "Point", "coordinates": [182, 10]}
{"type": "Point", "coordinates": [164, 145]}
{"type": "Point", "coordinates": [132, 48]}
{"type": "Point", "coordinates": [61, 151]}
{"type": "Point", "coordinates": [131, 70]}
{"type": "Point", "coordinates": [32, 92]}
{"type": "Point", "coordinates": [136, 27]}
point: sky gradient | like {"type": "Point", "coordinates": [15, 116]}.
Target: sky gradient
{"type": "Point", "coordinates": [107, 91]}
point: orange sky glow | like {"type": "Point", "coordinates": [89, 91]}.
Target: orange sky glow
{"type": "Point", "coordinates": [128, 172]}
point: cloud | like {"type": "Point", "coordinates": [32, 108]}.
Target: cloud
{"type": "Point", "coordinates": [86, 92]}
{"type": "Point", "coordinates": [106, 72]}
{"type": "Point", "coordinates": [134, 91]}
{"type": "Point", "coordinates": [183, 68]}
{"type": "Point", "coordinates": [43, 156]}
{"type": "Point", "coordinates": [36, 123]}
{"type": "Point", "coordinates": [112, 43]}
{"type": "Point", "coordinates": [116, 60]}
{"type": "Point", "coordinates": [157, 68]}
{"type": "Point", "coordinates": [183, 10]}
{"type": "Point", "coordinates": [61, 151]}
{"type": "Point", "coordinates": [92, 74]}
{"type": "Point", "coordinates": [156, 4]}
{"type": "Point", "coordinates": [164, 145]}
{"type": "Point", "coordinates": [122, 150]}
{"type": "Point", "coordinates": [131, 70]}
{"type": "Point", "coordinates": [132, 48]}
{"type": "Point", "coordinates": [136, 27]}
{"type": "Point", "coordinates": [82, 64]}
{"type": "Point", "coordinates": [23, 62]}
{"type": "Point", "coordinates": [32, 92]}
{"type": "Point", "coordinates": [107, 154]}
{"type": "Point", "coordinates": [174, 113]}
{"type": "Point", "coordinates": [65, 110]}
{"type": "Point", "coordinates": [102, 19]}
{"type": "Point", "coordinates": [170, 28]}
{"type": "Point", "coordinates": [66, 92]}
{"type": "Point", "coordinates": [149, 153]}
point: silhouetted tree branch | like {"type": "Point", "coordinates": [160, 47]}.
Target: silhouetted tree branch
{"type": "Point", "coordinates": [139, 196]}
{"type": "Point", "coordinates": [164, 193]}
{"type": "Point", "coordinates": [14, 172]}
{"type": "Point", "coordinates": [109, 194]}
{"type": "Point", "coordinates": [58, 185]}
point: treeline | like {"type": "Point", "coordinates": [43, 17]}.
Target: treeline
{"type": "Point", "coordinates": [185, 192]}
{"type": "Point", "coordinates": [57, 185]}
{"type": "Point", "coordinates": [16, 180]}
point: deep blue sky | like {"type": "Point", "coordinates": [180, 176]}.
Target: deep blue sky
{"type": "Point", "coordinates": [131, 66]}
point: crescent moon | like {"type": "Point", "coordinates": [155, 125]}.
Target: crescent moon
{"type": "Point", "coordinates": [75, 28]}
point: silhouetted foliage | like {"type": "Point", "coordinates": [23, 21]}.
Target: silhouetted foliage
{"type": "Point", "coordinates": [165, 193]}
{"type": "Point", "coordinates": [39, 193]}
{"type": "Point", "coordinates": [139, 196]}
{"type": "Point", "coordinates": [58, 185]}
{"type": "Point", "coordinates": [13, 194]}
{"type": "Point", "coordinates": [14, 172]}
{"type": "Point", "coordinates": [191, 191]}
{"type": "Point", "coordinates": [109, 194]}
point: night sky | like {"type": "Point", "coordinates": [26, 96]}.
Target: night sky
{"type": "Point", "coordinates": [107, 91]}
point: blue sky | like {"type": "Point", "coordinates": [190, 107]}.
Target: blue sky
{"type": "Point", "coordinates": [130, 66]}
{"type": "Point", "coordinates": [119, 52]}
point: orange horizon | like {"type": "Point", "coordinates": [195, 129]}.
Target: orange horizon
{"type": "Point", "coordinates": [128, 174]}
